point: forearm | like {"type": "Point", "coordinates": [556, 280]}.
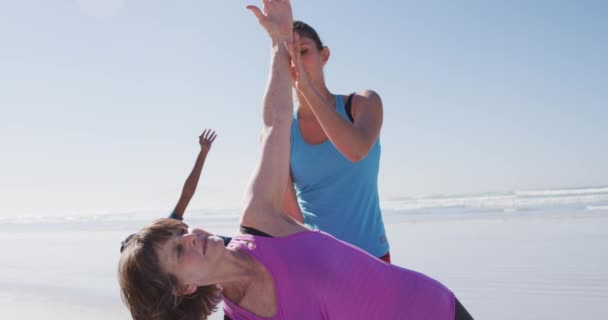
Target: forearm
{"type": "Point", "coordinates": [354, 143]}
{"type": "Point", "coordinates": [267, 187]}
{"type": "Point", "coordinates": [278, 103]}
{"type": "Point", "coordinates": [190, 185]}
{"type": "Point", "coordinates": [193, 178]}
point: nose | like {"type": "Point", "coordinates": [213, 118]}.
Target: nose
{"type": "Point", "coordinates": [190, 239]}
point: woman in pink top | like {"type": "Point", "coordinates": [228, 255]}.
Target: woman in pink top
{"type": "Point", "coordinates": [285, 271]}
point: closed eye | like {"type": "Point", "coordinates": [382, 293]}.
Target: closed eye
{"type": "Point", "coordinates": [180, 249]}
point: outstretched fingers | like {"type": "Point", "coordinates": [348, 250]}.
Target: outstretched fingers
{"type": "Point", "coordinates": [257, 12]}
{"type": "Point", "coordinates": [294, 48]}
{"type": "Point", "coordinates": [208, 135]}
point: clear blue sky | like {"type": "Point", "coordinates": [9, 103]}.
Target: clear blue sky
{"type": "Point", "coordinates": [101, 102]}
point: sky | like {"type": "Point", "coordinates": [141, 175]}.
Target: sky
{"type": "Point", "coordinates": [102, 101]}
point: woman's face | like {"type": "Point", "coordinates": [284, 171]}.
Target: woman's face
{"type": "Point", "coordinates": [313, 59]}
{"type": "Point", "coordinates": [191, 256]}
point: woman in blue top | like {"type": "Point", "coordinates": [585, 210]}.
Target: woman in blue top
{"type": "Point", "coordinates": [335, 154]}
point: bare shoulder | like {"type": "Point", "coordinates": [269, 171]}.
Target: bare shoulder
{"type": "Point", "coordinates": [367, 99]}
{"type": "Point", "coordinates": [369, 95]}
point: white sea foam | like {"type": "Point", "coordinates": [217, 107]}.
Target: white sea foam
{"type": "Point", "coordinates": [517, 201]}
{"type": "Point", "coordinates": [527, 202]}
{"type": "Point", "coordinates": [597, 208]}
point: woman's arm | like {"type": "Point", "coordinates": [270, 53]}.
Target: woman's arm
{"type": "Point", "coordinates": [205, 140]}
{"type": "Point", "coordinates": [353, 140]}
{"type": "Point", "coordinates": [266, 191]}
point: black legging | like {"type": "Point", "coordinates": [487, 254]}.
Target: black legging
{"type": "Point", "coordinates": [461, 312]}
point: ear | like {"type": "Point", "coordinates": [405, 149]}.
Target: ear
{"type": "Point", "coordinates": [325, 54]}
{"type": "Point", "coordinates": [190, 289]}
{"type": "Point", "coordinates": [184, 291]}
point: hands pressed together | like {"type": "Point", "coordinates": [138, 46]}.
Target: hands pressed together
{"type": "Point", "coordinates": [276, 18]}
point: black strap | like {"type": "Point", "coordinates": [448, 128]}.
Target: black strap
{"type": "Point", "coordinates": [173, 215]}
{"type": "Point", "coordinates": [348, 107]}
{"type": "Point", "coordinates": [254, 232]}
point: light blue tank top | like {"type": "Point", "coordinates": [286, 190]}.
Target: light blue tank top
{"type": "Point", "coordinates": [336, 195]}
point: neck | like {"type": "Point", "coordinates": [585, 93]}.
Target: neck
{"type": "Point", "coordinates": [236, 273]}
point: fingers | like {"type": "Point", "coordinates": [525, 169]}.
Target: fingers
{"type": "Point", "coordinates": [295, 52]}
{"type": "Point", "coordinates": [203, 135]}
{"type": "Point", "coordinates": [208, 135]}
{"type": "Point", "coordinates": [290, 48]}
{"type": "Point", "coordinates": [297, 47]}
{"type": "Point", "coordinates": [295, 55]}
{"type": "Point", "coordinates": [257, 12]}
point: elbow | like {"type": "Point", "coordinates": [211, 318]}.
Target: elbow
{"type": "Point", "coordinates": [356, 158]}
{"type": "Point", "coordinates": [358, 147]}
{"type": "Point", "coordinates": [357, 155]}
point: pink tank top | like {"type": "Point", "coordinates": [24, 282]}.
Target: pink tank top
{"type": "Point", "coordinates": [319, 277]}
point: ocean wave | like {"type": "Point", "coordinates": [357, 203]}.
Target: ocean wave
{"type": "Point", "coordinates": [517, 202]}
{"type": "Point", "coordinates": [563, 192]}
{"type": "Point", "coordinates": [103, 219]}
{"type": "Point", "coordinates": [598, 208]}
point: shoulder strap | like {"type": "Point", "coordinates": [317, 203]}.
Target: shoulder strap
{"type": "Point", "coordinates": [348, 107]}
{"type": "Point", "coordinates": [254, 232]}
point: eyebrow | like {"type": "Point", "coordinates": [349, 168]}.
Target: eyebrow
{"type": "Point", "coordinates": [173, 252]}
{"type": "Point", "coordinates": [175, 247]}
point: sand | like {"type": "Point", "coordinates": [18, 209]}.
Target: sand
{"type": "Point", "coordinates": [503, 267]}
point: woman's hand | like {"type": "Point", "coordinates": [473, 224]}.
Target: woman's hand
{"type": "Point", "coordinates": [276, 18]}
{"type": "Point", "coordinates": [299, 75]}
{"type": "Point", "coordinates": [206, 139]}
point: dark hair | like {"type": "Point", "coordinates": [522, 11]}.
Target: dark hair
{"type": "Point", "coordinates": [304, 30]}
{"type": "Point", "coordinates": [147, 290]}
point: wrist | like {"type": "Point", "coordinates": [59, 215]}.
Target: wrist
{"type": "Point", "coordinates": [281, 41]}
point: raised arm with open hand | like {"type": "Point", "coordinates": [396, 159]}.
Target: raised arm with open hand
{"type": "Point", "coordinates": [265, 194]}
{"type": "Point", "coordinates": [205, 140]}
